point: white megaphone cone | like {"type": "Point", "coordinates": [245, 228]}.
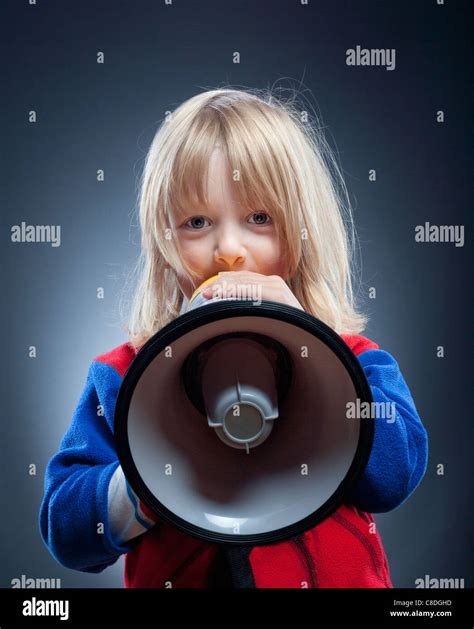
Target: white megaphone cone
{"type": "Point", "coordinates": [231, 421]}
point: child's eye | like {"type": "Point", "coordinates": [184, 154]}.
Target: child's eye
{"type": "Point", "coordinates": [198, 219]}
{"type": "Point", "coordinates": [262, 214]}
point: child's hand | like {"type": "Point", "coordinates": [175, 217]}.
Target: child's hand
{"type": "Point", "coordinates": [251, 286]}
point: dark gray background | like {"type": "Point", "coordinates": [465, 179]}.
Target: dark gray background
{"type": "Point", "coordinates": [94, 116]}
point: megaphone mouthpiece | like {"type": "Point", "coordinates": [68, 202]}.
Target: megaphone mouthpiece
{"type": "Point", "coordinates": [241, 401]}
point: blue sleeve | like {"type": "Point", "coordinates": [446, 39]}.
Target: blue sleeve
{"type": "Point", "coordinates": [73, 516]}
{"type": "Point", "coordinates": [399, 454]}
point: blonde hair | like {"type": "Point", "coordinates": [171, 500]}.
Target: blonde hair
{"type": "Point", "coordinates": [285, 166]}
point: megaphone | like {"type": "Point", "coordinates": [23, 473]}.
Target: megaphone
{"type": "Point", "coordinates": [231, 422]}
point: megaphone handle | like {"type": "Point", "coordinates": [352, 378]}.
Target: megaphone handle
{"type": "Point", "coordinates": [239, 565]}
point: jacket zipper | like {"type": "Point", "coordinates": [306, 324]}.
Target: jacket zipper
{"type": "Point", "coordinates": [306, 559]}
{"type": "Point", "coordinates": [340, 519]}
{"type": "Point", "coordinates": [302, 552]}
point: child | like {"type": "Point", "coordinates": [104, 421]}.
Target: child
{"type": "Point", "coordinates": [235, 183]}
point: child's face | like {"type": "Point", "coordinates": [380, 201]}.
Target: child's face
{"type": "Point", "coordinates": [224, 236]}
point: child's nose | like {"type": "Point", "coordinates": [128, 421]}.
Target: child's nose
{"type": "Point", "coordinates": [230, 250]}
